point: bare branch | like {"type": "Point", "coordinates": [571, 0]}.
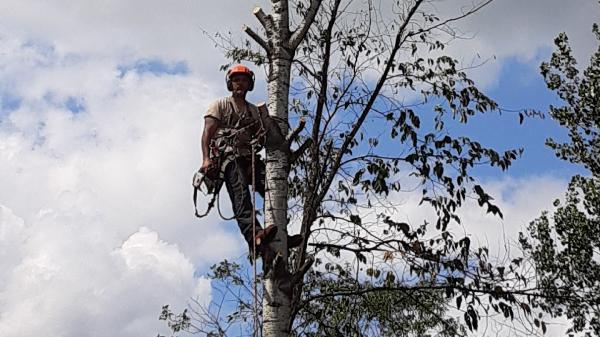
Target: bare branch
{"type": "Point", "coordinates": [296, 154]}
{"type": "Point", "coordinates": [305, 25]}
{"type": "Point", "coordinates": [456, 18]}
{"type": "Point", "coordinates": [306, 68]}
{"type": "Point", "coordinates": [292, 136]}
{"type": "Point", "coordinates": [257, 38]}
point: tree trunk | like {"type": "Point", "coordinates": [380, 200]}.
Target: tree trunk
{"type": "Point", "coordinates": [277, 301]}
{"type": "Point", "coordinates": [277, 292]}
{"type": "Point", "coordinates": [280, 46]}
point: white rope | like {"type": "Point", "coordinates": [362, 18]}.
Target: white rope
{"type": "Point", "coordinates": [255, 334]}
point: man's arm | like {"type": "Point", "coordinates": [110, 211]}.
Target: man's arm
{"type": "Point", "coordinates": [211, 125]}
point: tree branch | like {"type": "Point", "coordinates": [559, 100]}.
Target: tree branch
{"type": "Point", "coordinates": [292, 136]}
{"type": "Point", "coordinates": [369, 156]}
{"type": "Point", "coordinates": [257, 38]}
{"type": "Point", "coordinates": [533, 292]}
{"type": "Point", "coordinates": [367, 108]}
{"type": "Point", "coordinates": [306, 68]}
{"type": "Point", "coordinates": [310, 213]}
{"type": "Point", "coordinates": [296, 154]}
{"type": "Point", "coordinates": [299, 34]}
{"type": "Point", "coordinates": [456, 18]}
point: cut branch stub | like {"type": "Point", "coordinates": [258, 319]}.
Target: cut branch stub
{"type": "Point", "coordinates": [265, 20]}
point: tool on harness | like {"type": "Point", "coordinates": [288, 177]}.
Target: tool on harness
{"type": "Point", "coordinates": [222, 152]}
{"type": "Point", "coordinates": [212, 179]}
{"type": "Point", "coordinates": [212, 188]}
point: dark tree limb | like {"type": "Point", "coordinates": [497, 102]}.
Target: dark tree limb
{"type": "Point", "coordinates": [298, 153]}
{"type": "Point", "coordinates": [292, 136]}
{"type": "Point", "coordinates": [299, 34]}
{"type": "Point", "coordinates": [257, 38]}
{"type": "Point", "coordinates": [373, 97]}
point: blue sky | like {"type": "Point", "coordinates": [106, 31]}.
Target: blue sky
{"type": "Point", "coordinates": [101, 109]}
{"type": "Point", "coordinates": [520, 86]}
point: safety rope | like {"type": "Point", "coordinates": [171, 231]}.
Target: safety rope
{"type": "Point", "coordinates": [254, 239]}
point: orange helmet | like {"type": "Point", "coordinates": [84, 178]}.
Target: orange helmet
{"type": "Point", "coordinates": [236, 70]}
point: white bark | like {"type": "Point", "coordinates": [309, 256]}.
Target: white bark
{"type": "Point", "coordinates": [277, 301]}
{"type": "Point", "coordinates": [277, 287]}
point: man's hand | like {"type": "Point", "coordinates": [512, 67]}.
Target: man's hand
{"type": "Point", "coordinates": [207, 165]}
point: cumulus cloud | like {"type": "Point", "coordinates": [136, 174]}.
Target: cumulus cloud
{"type": "Point", "coordinates": [68, 281]}
{"type": "Point", "coordinates": [126, 30]}
{"type": "Point", "coordinates": [519, 30]}
{"type": "Point", "coordinates": [97, 227]}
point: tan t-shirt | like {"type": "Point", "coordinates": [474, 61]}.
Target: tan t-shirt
{"type": "Point", "coordinates": [226, 112]}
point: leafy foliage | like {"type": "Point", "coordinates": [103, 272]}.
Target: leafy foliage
{"type": "Point", "coordinates": [176, 322]}
{"type": "Point", "coordinates": [342, 305]}
{"type": "Point", "coordinates": [379, 97]}
{"type": "Point", "coordinates": [565, 245]}
{"type": "Point", "coordinates": [366, 310]}
{"type": "Point", "coordinates": [370, 143]}
{"type": "Point", "coordinates": [231, 310]}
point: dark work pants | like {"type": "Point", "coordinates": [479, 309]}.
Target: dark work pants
{"type": "Point", "coordinates": [238, 176]}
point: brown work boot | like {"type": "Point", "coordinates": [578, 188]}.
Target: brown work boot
{"type": "Point", "coordinates": [264, 236]}
{"type": "Point", "coordinates": [294, 241]}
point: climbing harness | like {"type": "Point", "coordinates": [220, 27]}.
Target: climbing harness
{"type": "Point", "coordinates": [223, 150]}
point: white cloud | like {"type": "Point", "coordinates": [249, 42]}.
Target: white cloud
{"type": "Point", "coordinates": [97, 226]}
{"type": "Point", "coordinates": [126, 30]}
{"type": "Point", "coordinates": [67, 283]}
{"type": "Point", "coordinates": [521, 30]}
{"type": "Point", "coordinates": [12, 238]}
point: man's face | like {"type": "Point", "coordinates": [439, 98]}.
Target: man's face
{"type": "Point", "coordinates": [240, 84]}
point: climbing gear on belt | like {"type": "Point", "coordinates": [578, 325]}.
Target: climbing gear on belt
{"type": "Point", "coordinates": [223, 151]}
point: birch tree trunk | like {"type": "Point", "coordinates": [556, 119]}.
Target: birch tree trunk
{"type": "Point", "coordinates": [280, 46]}
{"type": "Point", "coordinates": [276, 300]}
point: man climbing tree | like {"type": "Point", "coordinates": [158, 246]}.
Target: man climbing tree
{"type": "Point", "coordinates": [234, 129]}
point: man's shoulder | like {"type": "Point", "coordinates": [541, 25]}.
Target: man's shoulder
{"type": "Point", "coordinates": [219, 108]}
{"type": "Point", "coordinates": [222, 102]}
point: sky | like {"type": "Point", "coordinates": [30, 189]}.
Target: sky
{"type": "Point", "coordinates": [101, 108]}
